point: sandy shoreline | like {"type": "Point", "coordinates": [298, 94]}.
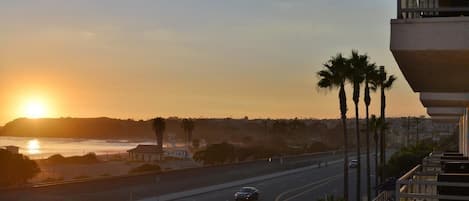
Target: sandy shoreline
{"type": "Point", "coordinates": [109, 165]}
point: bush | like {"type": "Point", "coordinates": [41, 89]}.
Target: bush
{"type": "Point", "coordinates": [146, 168]}
{"type": "Point", "coordinates": [406, 159]}
{"type": "Point", "coordinates": [85, 159]}
{"type": "Point", "coordinates": [16, 168]}
{"type": "Point", "coordinates": [216, 154]}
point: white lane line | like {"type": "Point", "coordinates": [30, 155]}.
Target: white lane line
{"type": "Point", "coordinates": [198, 191]}
{"type": "Point", "coordinates": [305, 186]}
{"type": "Point", "coordinates": [313, 188]}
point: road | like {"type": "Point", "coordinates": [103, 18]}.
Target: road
{"type": "Point", "coordinates": [308, 185]}
{"type": "Point", "coordinates": [155, 184]}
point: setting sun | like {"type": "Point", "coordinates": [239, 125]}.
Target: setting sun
{"type": "Point", "coordinates": [34, 109]}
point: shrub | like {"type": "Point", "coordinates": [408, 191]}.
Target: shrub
{"type": "Point", "coordinates": [16, 168]}
{"type": "Point", "coordinates": [406, 159]}
{"type": "Point", "coordinates": [85, 159]}
{"type": "Point", "coordinates": [146, 168]}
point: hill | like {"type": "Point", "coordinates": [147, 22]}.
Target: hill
{"type": "Point", "coordinates": [211, 130]}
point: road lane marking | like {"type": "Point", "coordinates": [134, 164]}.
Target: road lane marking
{"type": "Point", "coordinates": [305, 186]}
{"type": "Point", "coordinates": [313, 188]}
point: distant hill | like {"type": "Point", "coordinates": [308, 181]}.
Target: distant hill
{"type": "Point", "coordinates": [211, 130]}
{"type": "Point", "coordinates": [95, 128]}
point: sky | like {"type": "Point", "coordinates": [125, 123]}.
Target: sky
{"type": "Point", "coordinates": [206, 58]}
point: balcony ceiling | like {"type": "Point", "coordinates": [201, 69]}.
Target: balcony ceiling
{"type": "Point", "coordinates": [444, 99]}
{"type": "Point", "coordinates": [445, 111]}
{"type": "Point", "coordinates": [433, 54]}
{"type": "Point", "coordinates": [445, 119]}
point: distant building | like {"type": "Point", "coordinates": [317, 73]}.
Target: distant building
{"type": "Point", "coordinates": [150, 153]}
{"type": "Point", "coordinates": [180, 153]}
{"type": "Point", "coordinates": [146, 153]}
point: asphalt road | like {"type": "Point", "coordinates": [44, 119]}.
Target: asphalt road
{"type": "Point", "coordinates": [304, 186]}
{"type": "Point", "coordinates": [150, 185]}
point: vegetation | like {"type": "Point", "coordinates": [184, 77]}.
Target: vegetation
{"type": "Point", "coordinates": [146, 168]}
{"type": "Point", "coordinates": [16, 169]}
{"type": "Point", "coordinates": [370, 74]}
{"type": "Point", "coordinates": [159, 126]}
{"type": "Point", "coordinates": [223, 153]}
{"type": "Point", "coordinates": [383, 82]}
{"type": "Point", "coordinates": [333, 76]}
{"type": "Point", "coordinates": [357, 70]}
{"type": "Point", "coordinates": [196, 143]}
{"type": "Point", "coordinates": [406, 159]}
{"type": "Point", "coordinates": [374, 126]}
{"type": "Point", "coordinates": [357, 63]}
{"type": "Point", "coordinates": [188, 125]}
{"type": "Point", "coordinates": [89, 158]}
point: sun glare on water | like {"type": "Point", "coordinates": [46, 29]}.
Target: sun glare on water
{"type": "Point", "coordinates": [34, 146]}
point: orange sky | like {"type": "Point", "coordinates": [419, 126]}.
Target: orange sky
{"type": "Point", "coordinates": [84, 60]}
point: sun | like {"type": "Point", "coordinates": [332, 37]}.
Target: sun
{"type": "Point", "coordinates": [34, 109]}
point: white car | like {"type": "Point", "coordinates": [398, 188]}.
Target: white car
{"type": "Point", "coordinates": [353, 164]}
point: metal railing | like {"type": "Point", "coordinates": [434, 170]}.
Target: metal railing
{"type": "Point", "coordinates": [384, 196]}
{"type": "Point", "coordinates": [408, 9]}
{"type": "Point", "coordinates": [421, 182]}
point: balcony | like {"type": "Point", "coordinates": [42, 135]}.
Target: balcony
{"type": "Point", "coordinates": [430, 44]}
{"type": "Point", "coordinates": [441, 177]}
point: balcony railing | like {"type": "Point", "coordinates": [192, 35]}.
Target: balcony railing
{"type": "Point", "coordinates": [408, 9]}
{"type": "Point", "coordinates": [421, 183]}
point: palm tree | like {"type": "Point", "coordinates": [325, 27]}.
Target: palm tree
{"type": "Point", "coordinates": [376, 124]}
{"type": "Point", "coordinates": [384, 82]}
{"type": "Point", "coordinates": [357, 63]}
{"type": "Point", "coordinates": [159, 126]}
{"type": "Point", "coordinates": [188, 126]}
{"type": "Point", "coordinates": [333, 76]}
{"type": "Point", "coordinates": [370, 74]}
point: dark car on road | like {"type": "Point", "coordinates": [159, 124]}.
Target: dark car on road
{"type": "Point", "coordinates": [247, 193]}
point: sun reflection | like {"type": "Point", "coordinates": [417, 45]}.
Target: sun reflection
{"type": "Point", "coordinates": [34, 146]}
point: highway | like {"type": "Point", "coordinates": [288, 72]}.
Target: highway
{"type": "Point", "coordinates": [150, 185]}
{"type": "Point", "coordinates": [304, 186]}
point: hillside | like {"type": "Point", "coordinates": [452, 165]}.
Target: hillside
{"type": "Point", "coordinates": [211, 130]}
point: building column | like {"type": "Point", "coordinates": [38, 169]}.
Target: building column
{"type": "Point", "coordinates": [461, 133]}
{"type": "Point", "coordinates": [466, 131]}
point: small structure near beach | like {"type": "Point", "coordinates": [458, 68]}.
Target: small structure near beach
{"type": "Point", "coordinates": [151, 153]}
{"type": "Point", "coordinates": [146, 153]}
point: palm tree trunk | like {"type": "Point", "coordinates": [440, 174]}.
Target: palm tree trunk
{"type": "Point", "coordinates": [343, 111]}
{"type": "Point", "coordinates": [368, 169]}
{"type": "Point", "coordinates": [383, 135]}
{"type": "Point", "coordinates": [376, 161]}
{"type": "Point", "coordinates": [357, 131]}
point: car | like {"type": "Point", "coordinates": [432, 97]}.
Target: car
{"type": "Point", "coordinates": [247, 193]}
{"type": "Point", "coordinates": [353, 164]}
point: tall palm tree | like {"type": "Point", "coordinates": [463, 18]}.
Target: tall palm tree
{"type": "Point", "coordinates": [384, 82]}
{"type": "Point", "coordinates": [370, 74]}
{"type": "Point", "coordinates": [357, 63]}
{"type": "Point", "coordinates": [188, 125]}
{"type": "Point", "coordinates": [377, 124]}
{"type": "Point", "coordinates": [374, 126]}
{"type": "Point", "coordinates": [159, 126]}
{"type": "Point", "coordinates": [333, 76]}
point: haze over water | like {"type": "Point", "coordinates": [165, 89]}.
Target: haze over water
{"type": "Point", "coordinates": [42, 147]}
